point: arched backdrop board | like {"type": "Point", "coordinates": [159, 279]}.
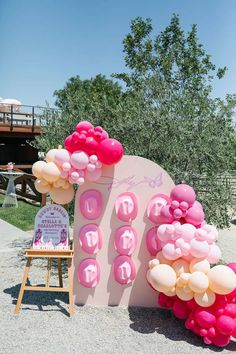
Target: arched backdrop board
{"type": "Point", "coordinates": [145, 179]}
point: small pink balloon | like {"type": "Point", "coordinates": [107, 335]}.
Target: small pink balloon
{"type": "Point", "coordinates": [80, 181]}
{"type": "Point", "coordinates": [66, 166]}
{"type": "Point", "coordinates": [93, 159]}
{"type": "Point", "coordinates": [91, 167]}
{"type": "Point", "coordinates": [74, 176]}
{"type": "Point", "coordinates": [98, 164]}
{"type": "Point", "coordinates": [94, 175]}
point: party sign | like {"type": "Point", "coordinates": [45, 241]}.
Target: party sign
{"type": "Point", "coordinates": [51, 228]}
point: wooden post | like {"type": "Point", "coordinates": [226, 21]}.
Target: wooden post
{"type": "Point", "coordinates": [70, 285]}
{"type": "Point", "coordinates": [60, 272]}
{"type": "Point", "coordinates": [43, 200]}
{"type": "Point", "coordinates": [22, 288]}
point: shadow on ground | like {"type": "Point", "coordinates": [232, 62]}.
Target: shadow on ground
{"type": "Point", "coordinates": [39, 299]}
{"type": "Point", "coordinates": [150, 320]}
{"type": "Point", "coordinates": [233, 221]}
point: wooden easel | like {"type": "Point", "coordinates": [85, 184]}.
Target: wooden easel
{"type": "Point", "coordinates": [49, 254]}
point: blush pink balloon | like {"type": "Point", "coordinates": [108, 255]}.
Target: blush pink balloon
{"type": "Point", "coordinates": [93, 175]}
{"type": "Point", "coordinates": [183, 192]}
{"type": "Point", "coordinates": [195, 216]}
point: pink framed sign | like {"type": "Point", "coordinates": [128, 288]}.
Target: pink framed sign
{"type": "Point", "coordinates": [51, 229]}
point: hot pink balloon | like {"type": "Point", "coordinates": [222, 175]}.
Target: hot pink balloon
{"type": "Point", "coordinates": [110, 151]}
{"type": "Point", "coordinates": [84, 125]}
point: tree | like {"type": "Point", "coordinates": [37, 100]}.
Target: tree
{"type": "Point", "coordinates": [93, 99]}
{"type": "Point", "coordinates": [166, 114]}
{"type": "Point", "coordinates": [173, 118]}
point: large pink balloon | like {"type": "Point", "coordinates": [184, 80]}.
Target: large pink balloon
{"type": "Point", "coordinates": [183, 192]}
{"type": "Point", "coordinates": [110, 151]}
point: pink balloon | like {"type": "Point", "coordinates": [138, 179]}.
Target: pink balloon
{"type": "Point", "coordinates": [91, 145]}
{"type": "Point", "coordinates": [199, 249]}
{"type": "Point", "coordinates": [225, 325]}
{"type": "Point", "coordinates": [195, 216]}
{"type": "Point", "coordinates": [152, 242]}
{"type": "Point", "coordinates": [94, 175]}
{"type": "Point", "coordinates": [110, 151]}
{"type": "Point", "coordinates": [166, 215]}
{"type": "Point", "coordinates": [181, 310]}
{"type": "Point", "coordinates": [183, 192]}
{"type": "Point", "coordinates": [232, 265]}
{"type": "Point", "coordinates": [61, 156]}
{"type": "Point", "coordinates": [84, 125]}
{"type": "Point", "coordinates": [205, 318]}
{"type": "Point", "coordinates": [221, 340]}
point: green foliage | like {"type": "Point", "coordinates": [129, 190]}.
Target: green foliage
{"type": "Point", "coordinates": [166, 114]}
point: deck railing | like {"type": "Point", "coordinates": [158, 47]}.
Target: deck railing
{"type": "Point", "coordinates": [13, 115]}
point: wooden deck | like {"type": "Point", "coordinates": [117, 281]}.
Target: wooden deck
{"type": "Point", "coordinates": [19, 129]}
{"type": "Point", "coordinates": [18, 123]}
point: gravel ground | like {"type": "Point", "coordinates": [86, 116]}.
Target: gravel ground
{"type": "Point", "coordinates": [43, 325]}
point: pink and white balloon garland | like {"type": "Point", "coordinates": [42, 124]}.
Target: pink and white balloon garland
{"type": "Point", "coordinates": [185, 250]}
{"type": "Point", "coordinates": [85, 152]}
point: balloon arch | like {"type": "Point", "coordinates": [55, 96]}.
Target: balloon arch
{"type": "Point", "coordinates": [184, 267]}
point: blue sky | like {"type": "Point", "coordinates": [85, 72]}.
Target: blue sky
{"type": "Point", "coordinates": [45, 42]}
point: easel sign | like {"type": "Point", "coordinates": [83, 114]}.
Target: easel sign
{"type": "Point", "coordinates": [51, 229]}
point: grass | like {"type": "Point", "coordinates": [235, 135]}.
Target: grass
{"type": "Point", "coordinates": [21, 217]}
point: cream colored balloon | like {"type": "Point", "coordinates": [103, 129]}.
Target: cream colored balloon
{"type": "Point", "coordinates": [180, 266]}
{"type": "Point", "coordinates": [222, 279]}
{"type": "Point", "coordinates": [59, 183]}
{"type": "Point", "coordinates": [198, 282]}
{"type": "Point", "coordinates": [66, 185]}
{"type": "Point", "coordinates": [205, 299]}
{"type": "Point", "coordinates": [199, 265]}
{"type": "Point", "coordinates": [37, 168]}
{"type": "Point", "coordinates": [42, 186]}
{"type": "Point", "coordinates": [171, 292]}
{"type": "Point", "coordinates": [184, 293]}
{"type": "Point", "coordinates": [50, 155]}
{"type": "Point", "coordinates": [162, 259]}
{"type": "Point", "coordinates": [162, 277]}
{"type": "Point", "coordinates": [62, 196]}
{"type": "Point", "coordinates": [51, 172]}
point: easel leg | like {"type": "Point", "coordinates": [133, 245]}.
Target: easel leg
{"type": "Point", "coordinates": [70, 281]}
{"type": "Point", "coordinates": [22, 288]}
{"type": "Point", "coordinates": [48, 272]}
{"type": "Point", "coordinates": [60, 272]}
